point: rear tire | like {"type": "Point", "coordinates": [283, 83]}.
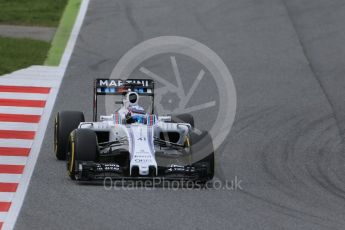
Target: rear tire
{"type": "Point", "coordinates": [65, 123]}
{"type": "Point", "coordinates": [83, 146]}
{"type": "Point", "coordinates": [183, 118]}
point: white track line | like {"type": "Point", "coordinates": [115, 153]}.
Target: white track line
{"type": "Point", "coordinates": [13, 160]}
{"type": "Point", "coordinates": [15, 143]}
{"type": "Point", "coordinates": [18, 126]}
{"type": "Point", "coordinates": [21, 110]}
{"type": "Point", "coordinates": [10, 178]}
{"type": "Point", "coordinates": [5, 197]}
{"type": "Point", "coordinates": [23, 96]}
{"type": "Point", "coordinates": [74, 35]}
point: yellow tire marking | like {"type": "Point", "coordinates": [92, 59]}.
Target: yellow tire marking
{"type": "Point", "coordinates": [187, 145]}
{"type": "Point", "coordinates": [187, 142]}
{"type": "Point", "coordinates": [72, 154]}
{"type": "Point", "coordinates": [55, 135]}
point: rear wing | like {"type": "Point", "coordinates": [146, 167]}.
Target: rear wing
{"type": "Point", "coordinates": [105, 87]}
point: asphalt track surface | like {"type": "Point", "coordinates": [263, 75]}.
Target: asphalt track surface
{"type": "Point", "coordinates": [33, 32]}
{"type": "Point", "coordinates": [286, 145]}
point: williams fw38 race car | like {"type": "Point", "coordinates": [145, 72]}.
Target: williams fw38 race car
{"type": "Point", "coordinates": [132, 143]}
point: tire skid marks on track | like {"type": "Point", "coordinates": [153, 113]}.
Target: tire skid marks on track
{"type": "Point", "coordinates": [21, 108]}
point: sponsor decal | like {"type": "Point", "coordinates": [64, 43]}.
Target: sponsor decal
{"type": "Point", "coordinates": [119, 82]}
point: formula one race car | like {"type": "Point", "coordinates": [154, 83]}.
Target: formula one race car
{"type": "Point", "coordinates": [132, 143]}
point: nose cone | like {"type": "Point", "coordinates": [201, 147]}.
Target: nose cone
{"type": "Point", "coordinates": [144, 170]}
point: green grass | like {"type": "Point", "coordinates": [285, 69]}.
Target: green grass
{"type": "Point", "coordinates": [20, 53]}
{"type": "Point", "coordinates": [31, 12]}
{"type": "Point", "coordinates": [63, 32]}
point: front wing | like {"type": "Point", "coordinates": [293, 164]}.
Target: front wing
{"type": "Point", "coordinates": [86, 170]}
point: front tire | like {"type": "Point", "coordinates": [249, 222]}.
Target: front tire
{"type": "Point", "coordinates": [65, 123]}
{"type": "Point", "coordinates": [83, 146]}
